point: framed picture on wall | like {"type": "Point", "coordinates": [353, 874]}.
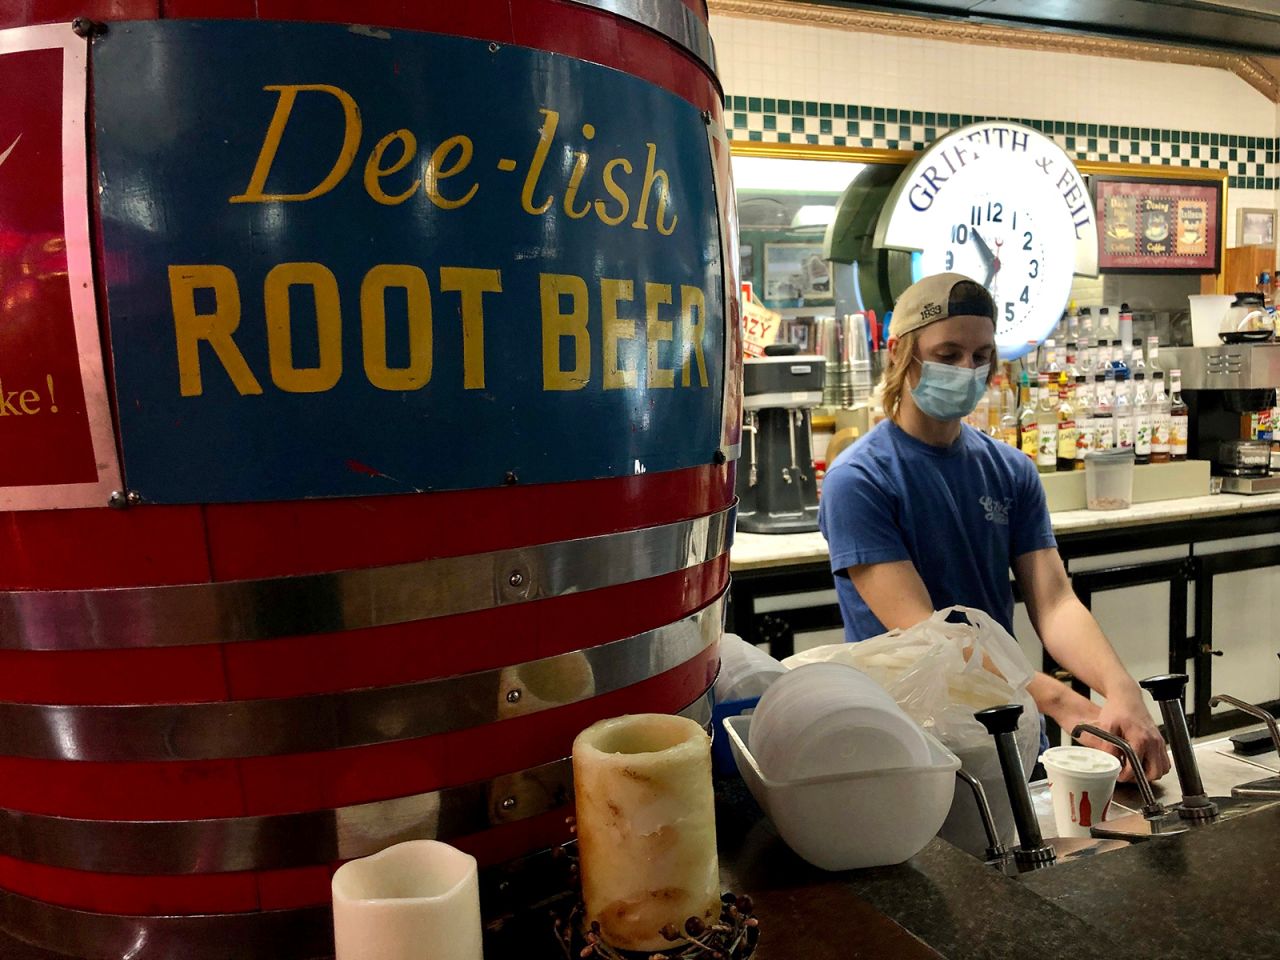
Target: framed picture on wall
{"type": "Point", "coordinates": [1157, 225]}
{"type": "Point", "coordinates": [796, 271]}
{"type": "Point", "coordinates": [1255, 226]}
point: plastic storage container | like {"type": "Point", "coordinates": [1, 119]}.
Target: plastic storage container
{"type": "Point", "coordinates": [831, 718]}
{"type": "Point", "coordinates": [1108, 479]}
{"type": "Point", "coordinates": [853, 820]}
{"type": "Point", "coordinates": [1207, 313]}
{"type": "Point", "coordinates": [746, 671]}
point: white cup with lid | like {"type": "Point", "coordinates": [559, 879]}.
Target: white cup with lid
{"type": "Point", "coordinates": [1081, 783]}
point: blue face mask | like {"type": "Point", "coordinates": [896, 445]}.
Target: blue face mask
{"type": "Point", "coordinates": [949, 393]}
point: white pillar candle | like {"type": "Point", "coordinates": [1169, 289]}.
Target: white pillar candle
{"type": "Point", "coordinates": [646, 827]}
{"type": "Point", "coordinates": [418, 900]}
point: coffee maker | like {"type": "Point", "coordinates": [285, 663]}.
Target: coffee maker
{"type": "Point", "coordinates": [1222, 385]}
{"type": "Point", "coordinates": [776, 487]}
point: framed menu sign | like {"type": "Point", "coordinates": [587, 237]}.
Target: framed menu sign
{"type": "Point", "coordinates": [57, 446]}
{"type": "Point", "coordinates": [1153, 224]}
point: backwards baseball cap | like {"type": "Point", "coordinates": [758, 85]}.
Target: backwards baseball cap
{"type": "Point", "coordinates": [939, 297]}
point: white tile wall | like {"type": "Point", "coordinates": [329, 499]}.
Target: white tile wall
{"type": "Point", "coordinates": [759, 58]}
{"type": "Point", "coordinates": [781, 60]}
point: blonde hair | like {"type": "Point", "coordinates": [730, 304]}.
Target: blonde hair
{"type": "Point", "coordinates": [893, 381]}
{"type": "Point", "coordinates": [894, 378]}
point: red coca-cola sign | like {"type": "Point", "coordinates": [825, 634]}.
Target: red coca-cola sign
{"type": "Point", "coordinates": [56, 443]}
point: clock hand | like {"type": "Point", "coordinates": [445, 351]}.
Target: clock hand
{"type": "Point", "coordinates": [983, 249]}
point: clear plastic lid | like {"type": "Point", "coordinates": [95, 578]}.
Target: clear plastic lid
{"type": "Point", "coordinates": [1113, 455]}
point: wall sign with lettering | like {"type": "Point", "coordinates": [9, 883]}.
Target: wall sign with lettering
{"type": "Point", "coordinates": [1001, 203]}
{"type": "Point", "coordinates": [343, 261]}
{"type": "Point", "coordinates": [57, 448]}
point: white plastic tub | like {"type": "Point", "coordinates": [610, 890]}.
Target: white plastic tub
{"type": "Point", "coordinates": [848, 821]}
{"type": "Point", "coordinates": [1207, 313]}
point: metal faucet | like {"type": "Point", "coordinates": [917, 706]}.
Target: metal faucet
{"type": "Point", "coordinates": [1033, 852]}
{"type": "Point", "coordinates": [1253, 711]}
{"type": "Point", "coordinates": [1001, 722]}
{"type": "Point", "coordinates": [1151, 807]}
{"type": "Point", "coordinates": [1155, 819]}
{"type": "Point", "coordinates": [996, 851]}
{"type": "Point", "coordinates": [1267, 787]}
{"type": "Point", "coordinates": [1167, 690]}
{"type": "Point", "coordinates": [1194, 809]}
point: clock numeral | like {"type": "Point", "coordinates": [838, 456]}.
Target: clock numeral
{"type": "Point", "coordinates": [1035, 269]}
{"type": "Point", "coordinates": [994, 213]}
{"type": "Point", "coordinates": [1015, 219]}
{"type": "Point", "coordinates": [1026, 295]}
{"type": "Point", "coordinates": [1026, 240]}
{"type": "Point", "coordinates": [1008, 311]}
{"type": "Point", "coordinates": [951, 260]}
{"type": "Point", "coordinates": [959, 233]}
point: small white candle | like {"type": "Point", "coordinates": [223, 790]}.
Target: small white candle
{"type": "Point", "coordinates": [646, 827]}
{"type": "Point", "coordinates": [418, 900]}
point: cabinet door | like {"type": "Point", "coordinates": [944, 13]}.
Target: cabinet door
{"type": "Point", "coordinates": [1136, 621]}
{"type": "Point", "coordinates": [1246, 628]}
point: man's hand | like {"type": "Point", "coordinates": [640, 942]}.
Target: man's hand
{"type": "Point", "coordinates": [1126, 716]}
{"type": "Point", "coordinates": [1075, 641]}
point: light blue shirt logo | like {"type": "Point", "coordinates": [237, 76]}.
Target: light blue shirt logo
{"type": "Point", "coordinates": [997, 510]}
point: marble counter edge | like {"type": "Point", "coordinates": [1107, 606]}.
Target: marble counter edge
{"type": "Point", "coordinates": [753, 551]}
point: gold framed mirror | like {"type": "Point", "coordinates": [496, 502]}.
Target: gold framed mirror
{"type": "Point", "coordinates": [807, 211]}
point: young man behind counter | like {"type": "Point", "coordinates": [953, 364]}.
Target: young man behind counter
{"type": "Point", "coordinates": [925, 512]}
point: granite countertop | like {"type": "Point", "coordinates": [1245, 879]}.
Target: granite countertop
{"type": "Point", "coordinates": [1200, 894]}
{"type": "Point", "coordinates": [1185, 897]}
{"type": "Point", "coordinates": [753, 551]}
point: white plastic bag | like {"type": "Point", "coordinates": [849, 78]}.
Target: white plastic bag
{"type": "Point", "coordinates": [745, 670]}
{"type": "Point", "coordinates": [938, 673]}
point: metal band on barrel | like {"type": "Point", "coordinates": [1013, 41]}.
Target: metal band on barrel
{"type": "Point", "coordinates": [296, 839]}
{"type": "Point", "coordinates": [670, 18]}
{"type": "Point", "coordinates": [353, 718]}
{"type": "Point", "coordinates": [267, 935]}
{"type": "Point", "coordinates": [246, 610]}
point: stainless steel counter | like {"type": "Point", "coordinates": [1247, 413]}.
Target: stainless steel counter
{"type": "Point", "coordinates": [1221, 768]}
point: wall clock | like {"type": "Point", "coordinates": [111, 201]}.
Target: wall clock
{"type": "Point", "coordinates": [1001, 203]}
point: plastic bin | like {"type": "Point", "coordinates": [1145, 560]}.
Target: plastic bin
{"type": "Point", "coordinates": [854, 820]}
{"type": "Point", "coordinates": [1207, 311]}
{"type": "Point", "coordinates": [1108, 479]}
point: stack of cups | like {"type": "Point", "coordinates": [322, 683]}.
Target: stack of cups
{"type": "Point", "coordinates": [746, 671]}
{"type": "Point", "coordinates": [859, 359]}
{"type": "Point", "coordinates": [830, 718]}
{"type": "Point", "coordinates": [1081, 782]}
{"type": "Point", "coordinates": [835, 349]}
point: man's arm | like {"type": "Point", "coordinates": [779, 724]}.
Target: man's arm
{"type": "Point", "coordinates": [893, 592]}
{"type": "Point", "coordinates": [897, 596]}
{"type": "Point", "coordinates": [1071, 634]}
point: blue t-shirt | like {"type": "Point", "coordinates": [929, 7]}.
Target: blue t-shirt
{"type": "Point", "coordinates": [961, 514]}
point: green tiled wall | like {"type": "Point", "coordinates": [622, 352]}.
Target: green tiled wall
{"type": "Point", "coordinates": [1250, 162]}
